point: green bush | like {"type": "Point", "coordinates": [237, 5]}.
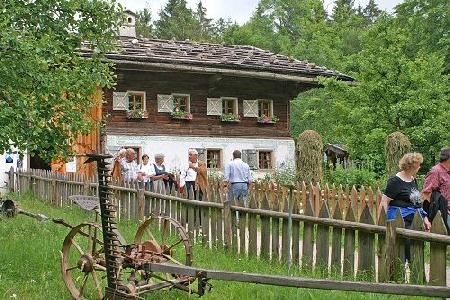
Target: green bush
{"type": "Point", "coordinates": [352, 176]}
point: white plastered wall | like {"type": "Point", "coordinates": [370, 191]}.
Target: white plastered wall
{"type": "Point", "coordinates": [175, 148]}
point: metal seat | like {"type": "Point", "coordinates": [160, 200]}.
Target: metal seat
{"type": "Point", "coordinates": [89, 203]}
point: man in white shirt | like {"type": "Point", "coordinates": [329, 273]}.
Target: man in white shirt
{"type": "Point", "coordinates": [129, 166]}
{"type": "Point", "coordinates": [188, 173]}
{"type": "Point", "coordinates": [237, 178]}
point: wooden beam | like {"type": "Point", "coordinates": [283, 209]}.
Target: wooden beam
{"type": "Point", "coordinates": [121, 60]}
{"type": "Point", "coordinates": [299, 282]}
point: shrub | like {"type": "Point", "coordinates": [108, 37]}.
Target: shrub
{"type": "Point", "coordinates": [352, 176]}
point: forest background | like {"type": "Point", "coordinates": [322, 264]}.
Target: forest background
{"type": "Point", "coordinates": [400, 60]}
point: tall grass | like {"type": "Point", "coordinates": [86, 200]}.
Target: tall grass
{"type": "Point", "coordinates": [30, 258]}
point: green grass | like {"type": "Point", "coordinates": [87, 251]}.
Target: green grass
{"type": "Point", "coordinates": [30, 263]}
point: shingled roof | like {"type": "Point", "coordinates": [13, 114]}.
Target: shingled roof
{"type": "Point", "coordinates": [217, 58]}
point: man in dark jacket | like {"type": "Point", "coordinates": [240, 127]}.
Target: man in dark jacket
{"type": "Point", "coordinates": [438, 180]}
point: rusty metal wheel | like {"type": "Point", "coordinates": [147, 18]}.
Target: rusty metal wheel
{"type": "Point", "coordinates": [167, 236]}
{"type": "Point", "coordinates": [83, 263]}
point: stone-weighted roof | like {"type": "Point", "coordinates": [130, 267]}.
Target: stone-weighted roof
{"type": "Point", "coordinates": [245, 58]}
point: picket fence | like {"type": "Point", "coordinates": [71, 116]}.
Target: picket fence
{"type": "Point", "coordinates": [337, 232]}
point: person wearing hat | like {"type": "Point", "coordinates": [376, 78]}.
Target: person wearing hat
{"type": "Point", "coordinates": [438, 180]}
{"type": "Point", "coordinates": [188, 174]}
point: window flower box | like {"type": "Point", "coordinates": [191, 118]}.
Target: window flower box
{"type": "Point", "coordinates": [268, 120]}
{"type": "Point", "coordinates": [181, 115]}
{"type": "Point", "coordinates": [137, 114]}
{"type": "Point", "coordinates": [230, 118]}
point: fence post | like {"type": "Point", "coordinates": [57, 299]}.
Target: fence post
{"type": "Point", "coordinates": [11, 184]}
{"type": "Point", "coordinates": [86, 187]}
{"type": "Point", "coordinates": [227, 224]}
{"type": "Point", "coordinates": [30, 184]}
{"type": "Point", "coordinates": [141, 204]}
{"type": "Point", "coordinates": [417, 267]}
{"type": "Point", "coordinates": [349, 245]}
{"type": "Point", "coordinates": [395, 250]}
{"type": "Point", "coordinates": [54, 199]}
{"type": "Point", "coordinates": [381, 248]}
{"type": "Point", "coordinates": [438, 254]}
{"type": "Point", "coordinates": [308, 237]}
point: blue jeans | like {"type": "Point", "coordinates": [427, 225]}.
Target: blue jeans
{"type": "Point", "coordinates": [239, 191]}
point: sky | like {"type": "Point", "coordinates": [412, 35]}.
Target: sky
{"type": "Point", "coordinates": [238, 10]}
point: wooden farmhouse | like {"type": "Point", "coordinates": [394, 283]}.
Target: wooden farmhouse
{"type": "Point", "coordinates": [175, 95]}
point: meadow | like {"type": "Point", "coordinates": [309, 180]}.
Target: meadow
{"type": "Point", "coordinates": [30, 254]}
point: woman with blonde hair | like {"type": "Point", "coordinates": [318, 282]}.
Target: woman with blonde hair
{"type": "Point", "coordinates": [402, 193]}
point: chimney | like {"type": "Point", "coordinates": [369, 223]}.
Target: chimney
{"type": "Point", "coordinates": [129, 27]}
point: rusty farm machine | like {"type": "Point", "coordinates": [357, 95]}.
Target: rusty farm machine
{"type": "Point", "coordinates": [92, 250]}
{"type": "Point", "coordinates": [159, 257]}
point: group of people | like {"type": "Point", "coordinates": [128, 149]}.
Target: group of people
{"type": "Point", "coordinates": [192, 179]}
{"type": "Point", "coordinates": [402, 192]}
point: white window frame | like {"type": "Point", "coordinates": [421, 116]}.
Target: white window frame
{"type": "Point", "coordinates": [220, 163]}
{"type": "Point", "coordinates": [144, 99]}
{"type": "Point", "coordinates": [272, 158]}
{"type": "Point", "coordinates": [270, 108]}
{"type": "Point", "coordinates": [236, 107]}
{"type": "Point", "coordinates": [188, 104]}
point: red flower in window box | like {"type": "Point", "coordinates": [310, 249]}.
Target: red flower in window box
{"type": "Point", "coordinates": [230, 118]}
{"type": "Point", "coordinates": [268, 120]}
{"type": "Point", "coordinates": [137, 114]}
{"type": "Point", "coordinates": [181, 115]}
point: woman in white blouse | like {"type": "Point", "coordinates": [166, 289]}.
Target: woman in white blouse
{"type": "Point", "coordinates": [144, 172]}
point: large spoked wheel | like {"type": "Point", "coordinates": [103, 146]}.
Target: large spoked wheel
{"type": "Point", "coordinates": [166, 236]}
{"type": "Point", "coordinates": [83, 262]}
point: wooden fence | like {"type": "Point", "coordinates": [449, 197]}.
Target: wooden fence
{"type": "Point", "coordinates": [335, 232]}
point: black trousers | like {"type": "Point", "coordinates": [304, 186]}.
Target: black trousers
{"type": "Point", "coordinates": [190, 189]}
{"type": "Point", "coordinates": [408, 221]}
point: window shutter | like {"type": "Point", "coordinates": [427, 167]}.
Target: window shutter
{"type": "Point", "coordinates": [201, 154]}
{"type": "Point", "coordinates": [214, 106]}
{"type": "Point", "coordinates": [250, 108]}
{"type": "Point", "coordinates": [165, 103]}
{"type": "Point", "coordinates": [120, 101]}
{"type": "Point", "coordinates": [250, 156]}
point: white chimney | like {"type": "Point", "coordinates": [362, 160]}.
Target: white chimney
{"type": "Point", "coordinates": [129, 26]}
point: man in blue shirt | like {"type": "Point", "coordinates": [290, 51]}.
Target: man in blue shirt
{"type": "Point", "coordinates": [238, 178]}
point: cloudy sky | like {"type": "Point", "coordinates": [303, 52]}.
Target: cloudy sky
{"type": "Point", "coordinates": [239, 10]}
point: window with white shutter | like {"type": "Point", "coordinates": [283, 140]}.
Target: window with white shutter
{"type": "Point", "coordinates": [265, 159]}
{"type": "Point", "coordinates": [250, 156]}
{"type": "Point", "coordinates": [120, 101]}
{"type": "Point", "coordinates": [214, 158]}
{"type": "Point", "coordinates": [265, 108]}
{"type": "Point", "coordinates": [201, 154]}
{"type": "Point", "coordinates": [181, 103]}
{"type": "Point", "coordinates": [214, 106]}
{"type": "Point", "coordinates": [165, 103]}
{"type": "Point", "coordinates": [136, 100]}
{"type": "Point", "coordinates": [229, 106]}
{"type": "Point", "coordinates": [250, 108]}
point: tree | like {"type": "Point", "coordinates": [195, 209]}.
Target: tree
{"type": "Point", "coordinates": [343, 11]}
{"type": "Point", "coordinates": [144, 25]}
{"type": "Point", "coordinates": [429, 23]}
{"type": "Point", "coordinates": [396, 91]}
{"type": "Point", "coordinates": [46, 85]}
{"type": "Point", "coordinates": [221, 27]}
{"type": "Point", "coordinates": [371, 12]}
{"type": "Point", "coordinates": [176, 21]}
{"type": "Point", "coordinates": [206, 27]}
